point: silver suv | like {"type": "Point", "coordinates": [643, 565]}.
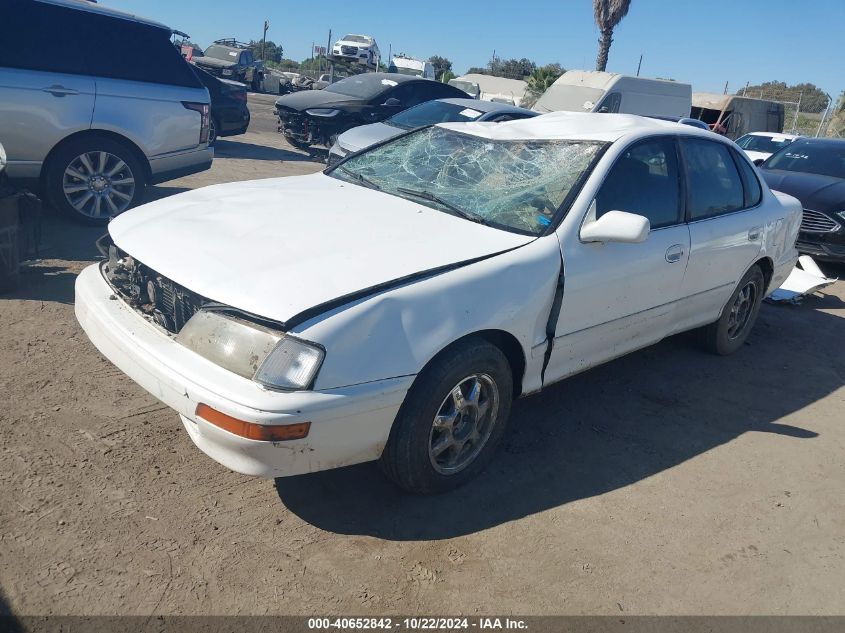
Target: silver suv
{"type": "Point", "coordinates": [85, 120]}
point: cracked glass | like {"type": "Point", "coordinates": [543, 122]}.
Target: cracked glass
{"type": "Point", "coordinates": [512, 184]}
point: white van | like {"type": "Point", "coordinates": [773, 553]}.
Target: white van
{"type": "Point", "coordinates": [597, 91]}
{"type": "Point", "coordinates": [411, 66]}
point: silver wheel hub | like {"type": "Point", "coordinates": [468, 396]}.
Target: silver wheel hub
{"type": "Point", "coordinates": [98, 184]}
{"type": "Point", "coordinates": [463, 423]}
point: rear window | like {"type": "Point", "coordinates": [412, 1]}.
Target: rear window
{"type": "Point", "coordinates": [52, 38]}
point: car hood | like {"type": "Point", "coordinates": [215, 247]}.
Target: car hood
{"type": "Point", "coordinates": [816, 192]}
{"type": "Point", "coordinates": [282, 246]}
{"type": "Point", "coordinates": [365, 135]}
{"type": "Point", "coordinates": [213, 62]}
{"type": "Point", "coordinates": [313, 99]}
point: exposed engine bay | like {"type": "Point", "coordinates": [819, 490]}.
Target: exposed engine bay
{"type": "Point", "coordinates": [157, 298]}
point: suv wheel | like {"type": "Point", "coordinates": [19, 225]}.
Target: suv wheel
{"type": "Point", "coordinates": [212, 130]}
{"type": "Point", "coordinates": [94, 178]}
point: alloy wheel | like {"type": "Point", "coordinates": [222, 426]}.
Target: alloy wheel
{"type": "Point", "coordinates": [463, 423]}
{"type": "Point", "coordinates": [741, 310]}
{"type": "Point", "coordinates": [98, 184]}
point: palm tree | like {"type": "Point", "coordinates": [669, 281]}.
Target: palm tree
{"type": "Point", "coordinates": [609, 14]}
{"type": "Point", "coordinates": [539, 81]}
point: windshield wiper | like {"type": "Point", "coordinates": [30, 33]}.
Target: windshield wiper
{"type": "Point", "coordinates": [427, 195]}
{"type": "Point", "coordinates": [361, 178]}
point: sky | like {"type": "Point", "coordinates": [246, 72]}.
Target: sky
{"type": "Point", "coordinates": [703, 43]}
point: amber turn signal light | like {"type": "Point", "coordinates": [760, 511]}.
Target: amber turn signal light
{"type": "Point", "coordinates": [251, 431]}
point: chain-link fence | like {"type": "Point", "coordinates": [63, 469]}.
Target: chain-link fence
{"type": "Point", "coordinates": [805, 114]}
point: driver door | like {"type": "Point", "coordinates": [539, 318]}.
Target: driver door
{"type": "Point", "coordinates": [619, 297]}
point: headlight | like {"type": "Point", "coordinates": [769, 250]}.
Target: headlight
{"type": "Point", "coordinates": [841, 214]}
{"type": "Point", "coordinates": [272, 358]}
{"type": "Point", "coordinates": [322, 112]}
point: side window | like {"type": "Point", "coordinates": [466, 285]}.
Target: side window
{"type": "Point", "coordinates": [715, 186]}
{"type": "Point", "coordinates": [750, 182]}
{"type": "Point", "coordinates": [59, 39]}
{"type": "Point", "coordinates": [40, 36]}
{"type": "Point", "coordinates": [154, 59]}
{"type": "Point", "coordinates": [611, 103]}
{"type": "Point", "coordinates": [406, 94]}
{"type": "Point", "coordinates": [644, 180]}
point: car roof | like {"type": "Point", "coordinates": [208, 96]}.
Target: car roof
{"type": "Point", "coordinates": [578, 126]}
{"type": "Point", "coordinates": [830, 142]}
{"type": "Point", "coordinates": [486, 106]}
{"type": "Point", "coordinates": [375, 77]}
{"type": "Point", "coordinates": [774, 134]}
{"type": "Point", "coordinates": [93, 7]}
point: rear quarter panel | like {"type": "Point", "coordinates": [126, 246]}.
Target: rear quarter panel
{"type": "Point", "coordinates": [782, 224]}
{"type": "Point", "coordinates": [150, 115]}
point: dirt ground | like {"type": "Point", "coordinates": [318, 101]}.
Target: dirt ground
{"type": "Point", "coordinates": [667, 482]}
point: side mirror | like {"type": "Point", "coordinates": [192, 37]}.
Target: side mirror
{"type": "Point", "coordinates": [617, 226]}
{"type": "Point", "coordinates": [392, 102]}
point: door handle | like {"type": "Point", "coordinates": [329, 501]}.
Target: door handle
{"type": "Point", "coordinates": [754, 233]}
{"type": "Point", "coordinates": [674, 253]}
{"type": "Point", "coordinates": [60, 91]}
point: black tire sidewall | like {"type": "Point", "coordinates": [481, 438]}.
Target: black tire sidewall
{"type": "Point", "coordinates": [68, 152]}
{"type": "Point", "coordinates": [406, 459]}
{"type": "Point", "coordinates": [724, 345]}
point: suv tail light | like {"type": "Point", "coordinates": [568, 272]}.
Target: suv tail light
{"type": "Point", "coordinates": [202, 108]}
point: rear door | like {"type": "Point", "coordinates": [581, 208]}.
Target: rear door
{"type": "Point", "coordinates": [620, 297]}
{"type": "Point", "coordinates": [45, 91]}
{"type": "Point", "coordinates": [726, 228]}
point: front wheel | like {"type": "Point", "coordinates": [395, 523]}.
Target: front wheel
{"type": "Point", "coordinates": [451, 421]}
{"type": "Point", "coordinates": [727, 335]}
{"type": "Point", "coordinates": [212, 130]}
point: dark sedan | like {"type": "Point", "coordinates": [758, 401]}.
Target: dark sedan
{"type": "Point", "coordinates": [813, 170]}
{"type": "Point", "coordinates": [229, 112]}
{"type": "Point", "coordinates": [317, 117]}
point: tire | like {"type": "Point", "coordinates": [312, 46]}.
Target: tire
{"type": "Point", "coordinates": [213, 126]}
{"type": "Point", "coordinates": [434, 446]}
{"type": "Point", "coordinates": [117, 190]}
{"type": "Point", "coordinates": [727, 334]}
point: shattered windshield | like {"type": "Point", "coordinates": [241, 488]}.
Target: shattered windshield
{"type": "Point", "coordinates": [513, 184]}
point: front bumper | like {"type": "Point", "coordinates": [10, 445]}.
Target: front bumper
{"type": "Point", "coordinates": [826, 246]}
{"type": "Point", "coordinates": [349, 425]}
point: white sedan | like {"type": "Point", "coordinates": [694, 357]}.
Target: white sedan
{"type": "Point", "coordinates": [760, 145]}
{"type": "Point", "coordinates": [393, 306]}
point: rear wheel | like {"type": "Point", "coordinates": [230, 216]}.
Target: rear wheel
{"type": "Point", "coordinates": [451, 421]}
{"type": "Point", "coordinates": [727, 335]}
{"type": "Point", "coordinates": [94, 178]}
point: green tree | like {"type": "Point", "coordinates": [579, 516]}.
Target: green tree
{"type": "Point", "coordinates": [539, 81]}
{"type": "Point", "coordinates": [813, 99]}
{"type": "Point", "coordinates": [447, 76]}
{"type": "Point", "coordinates": [441, 66]}
{"type": "Point", "coordinates": [272, 52]}
{"type": "Point", "coordinates": [608, 14]}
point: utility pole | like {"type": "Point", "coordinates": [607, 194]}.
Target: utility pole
{"type": "Point", "coordinates": [744, 90]}
{"type": "Point", "coordinates": [264, 37]}
{"type": "Point", "coordinates": [639, 65]}
{"type": "Point", "coordinates": [331, 65]}
{"type": "Point", "coordinates": [726, 88]}
{"type": "Point", "coordinates": [797, 110]}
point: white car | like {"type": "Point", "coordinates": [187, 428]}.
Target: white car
{"type": "Point", "coordinates": [393, 306]}
{"type": "Point", "coordinates": [360, 48]}
{"type": "Point", "coordinates": [760, 145]}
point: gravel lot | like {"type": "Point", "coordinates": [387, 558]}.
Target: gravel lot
{"type": "Point", "coordinates": [667, 482]}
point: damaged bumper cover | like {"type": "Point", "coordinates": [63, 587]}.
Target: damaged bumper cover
{"type": "Point", "coordinates": [349, 425]}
